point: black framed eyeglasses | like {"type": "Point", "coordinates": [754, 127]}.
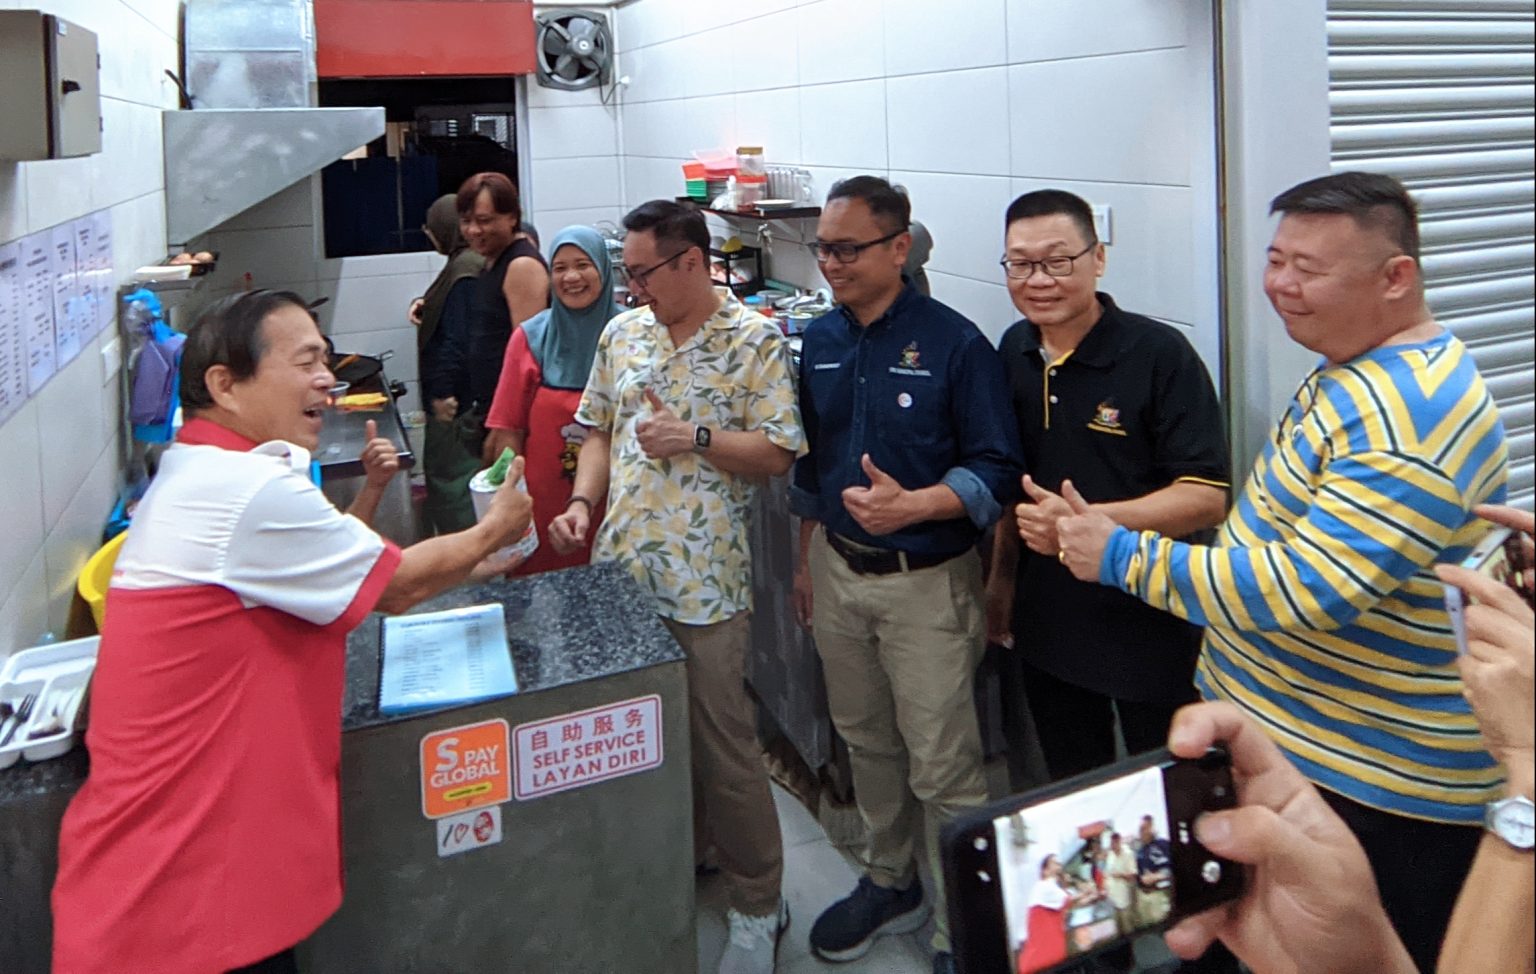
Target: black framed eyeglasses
{"type": "Point", "coordinates": [1021, 269]}
{"type": "Point", "coordinates": [640, 277]}
{"type": "Point", "coordinates": [846, 253]}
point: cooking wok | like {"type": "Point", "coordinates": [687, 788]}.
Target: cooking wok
{"type": "Point", "coordinates": [355, 369]}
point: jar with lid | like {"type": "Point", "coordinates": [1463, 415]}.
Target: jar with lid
{"type": "Point", "coordinates": [749, 160]}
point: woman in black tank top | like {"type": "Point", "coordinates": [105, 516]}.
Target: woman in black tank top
{"type": "Point", "coordinates": [513, 288]}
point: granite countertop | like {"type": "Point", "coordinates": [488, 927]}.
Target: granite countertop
{"type": "Point", "coordinates": [563, 627]}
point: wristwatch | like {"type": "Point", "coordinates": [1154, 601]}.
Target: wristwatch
{"type": "Point", "coordinates": [1513, 820]}
{"type": "Point", "coordinates": [700, 438]}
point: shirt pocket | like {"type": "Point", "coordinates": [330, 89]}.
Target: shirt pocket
{"type": "Point", "coordinates": [912, 411]}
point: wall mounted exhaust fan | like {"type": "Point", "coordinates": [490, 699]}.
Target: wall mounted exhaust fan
{"type": "Point", "coordinates": [575, 49]}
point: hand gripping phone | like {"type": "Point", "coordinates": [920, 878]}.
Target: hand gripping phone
{"type": "Point", "coordinates": [1079, 867]}
{"type": "Point", "coordinates": [1500, 556]}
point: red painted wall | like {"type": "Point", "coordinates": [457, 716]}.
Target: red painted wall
{"type": "Point", "coordinates": [421, 38]}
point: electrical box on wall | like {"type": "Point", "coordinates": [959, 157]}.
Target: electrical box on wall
{"type": "Point", "coordinates": [50, 87]}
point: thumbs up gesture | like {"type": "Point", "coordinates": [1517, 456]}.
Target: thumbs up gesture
{"type": "Point", "coordinates": [1082, 535]}
{"type": "Point", "coordinates": [881, 508]}
{"type": "Point", "coordinates": [1037, 518]}
{"type": "Point", "coordinates": [380, 459]}
{"type": "Point", "coordinates": [663, 435]}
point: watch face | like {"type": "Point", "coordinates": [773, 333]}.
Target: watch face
{"type": "Point", "coordinates": [1513, 821]}
{"type": "Point", "coordinates": [701, 437]}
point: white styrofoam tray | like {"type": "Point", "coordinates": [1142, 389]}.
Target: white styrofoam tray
{"type": "Point", "coordinates": [59, 674]}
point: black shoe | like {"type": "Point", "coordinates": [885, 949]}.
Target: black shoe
{"type": "Point", "coordinates": [848, 928]}
{"type": "Point", "coordinates": [943, 963]}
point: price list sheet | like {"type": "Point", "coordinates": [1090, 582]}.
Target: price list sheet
{"type": "Point", "coordinates": [436, 659]}
{"type": "Point", "coordinates": [37, 308]}
{"type": "Point", "coordinates": [13, 336]}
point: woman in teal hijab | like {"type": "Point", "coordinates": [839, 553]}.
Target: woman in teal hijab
{"type": "Point", "coordinates": [542, 378]}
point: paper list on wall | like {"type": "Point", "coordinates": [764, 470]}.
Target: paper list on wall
{"type": "Point", "coordinates": [84, 232]}
{"type": "Point", "coordinates": [66, 295]}
{"type": "Point", "coordinates": [37, 309]}
{"type": "Point", "coordinates": [101, 267]}
{"type": "Point", "coordinates": [13, 340]}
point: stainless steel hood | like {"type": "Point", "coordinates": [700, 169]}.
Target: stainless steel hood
{"type": "Point", "coordinates": [222, 161]}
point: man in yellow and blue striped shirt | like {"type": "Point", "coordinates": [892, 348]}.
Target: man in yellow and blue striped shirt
{"type": "Point", "coordinates": [1324, 620]}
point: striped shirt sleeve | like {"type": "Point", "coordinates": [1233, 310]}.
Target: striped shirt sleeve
{"type": "Point", "coordinates": [1377, 519]}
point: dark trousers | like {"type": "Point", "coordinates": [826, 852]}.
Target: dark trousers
{"type": "Point", "coordinates": [283, 962]}
{"type": "Point", "coordinates": [1419, 868]}
{"type": "Point", "coordinates": [1076, 727]}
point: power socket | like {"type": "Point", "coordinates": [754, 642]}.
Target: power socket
{"type": "Point", "coordinates": [1102, 225]}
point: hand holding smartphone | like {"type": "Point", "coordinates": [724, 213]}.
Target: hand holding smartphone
{"type": "Point", "coordinates": [1501, 556]}
{"type": "Point", "coordinates": [1087, 864]}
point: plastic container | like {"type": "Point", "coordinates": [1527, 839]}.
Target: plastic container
{"type": "Point", "coordinates": [717, 163]}
{"type": "Point", "coordinates": [56, 677]}
{"type": "Point", "coordinates": [750, 189]}
{"type": "Point", "coordinates": [693, 170]}
{"type": "Point", "coordinates": [97, 575]}
{"type": "Point", "coordinates": [481, 490]}
{"type": "Point", "coordinates": [698, 189]}
{"type": "Point", "coordinates": [749, 161]}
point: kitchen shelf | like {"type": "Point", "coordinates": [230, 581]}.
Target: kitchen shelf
{"type": "Point", "coordinates": [784, 213]}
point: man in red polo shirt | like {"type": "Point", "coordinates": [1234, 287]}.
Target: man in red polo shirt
{"type": "Point", "coordinates": [207, 835]}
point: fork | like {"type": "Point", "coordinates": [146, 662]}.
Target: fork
{"type": "Point", "coordinates": [23, 714]}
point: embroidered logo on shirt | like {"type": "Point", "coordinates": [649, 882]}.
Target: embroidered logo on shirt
{"type": "Point", "coordinates": [910, 360]}
{"type": "Point", "coordinates": [1106, 419]}
{"type": "Point", "coordinates": [823, 366]}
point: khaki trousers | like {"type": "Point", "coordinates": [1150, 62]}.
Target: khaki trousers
{"type": "Point", "coordinates": [900, 652]}
{"type": "Point", "coordinates": [732, 805]}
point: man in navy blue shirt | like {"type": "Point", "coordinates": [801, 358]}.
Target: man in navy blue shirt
{"type": "Point", "coordinates": [913, 453]}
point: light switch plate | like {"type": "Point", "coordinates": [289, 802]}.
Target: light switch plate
{"type": "Point", "coordinates": [1101, 223]}
{"type": "Point", "coordinates": [111, 360]}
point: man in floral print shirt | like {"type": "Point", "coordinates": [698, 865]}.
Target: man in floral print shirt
{"type": "Point", "coordinates": [692, 401]}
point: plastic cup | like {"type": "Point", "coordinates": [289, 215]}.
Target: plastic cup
{"type": "Point", "coordinates": [481, 491]}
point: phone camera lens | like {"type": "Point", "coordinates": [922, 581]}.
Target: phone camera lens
{"type": "Point", "coordinates": [983, 875]}
{"type": "Point", "coordinates": [980, 844]}
{"type": "Point", "coordinates": [1211, 872]}
{"type": "Point", "coordinates": [1220, 791]}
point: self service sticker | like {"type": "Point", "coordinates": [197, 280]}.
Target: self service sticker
{"type": "Point", "coordinates": [465, 768]}
{"type": "Point", "coordinates": [580, 749]}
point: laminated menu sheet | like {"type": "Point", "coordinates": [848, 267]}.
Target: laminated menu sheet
{"type": "Point", "coordinates": [66, 295]}
{"type": "Point", "coordinates": [37, 308]}
{"type": "Point", "coordinates": [437, 659]}
{"type": "Point", "coordinates": [100, 264]}
{"type": "Point", "coordinates": [13, 336]}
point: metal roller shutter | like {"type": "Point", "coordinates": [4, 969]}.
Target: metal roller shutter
{"type": "Point", "coordinates": [1440, 94]}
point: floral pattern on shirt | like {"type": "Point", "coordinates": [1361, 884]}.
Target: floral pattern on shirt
{"type": "Point", "coordinates": [679, 525]}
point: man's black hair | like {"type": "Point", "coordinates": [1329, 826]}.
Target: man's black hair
{"type": "Point", "coordinates": [228, 333]}
{"type": "Point", "coordinates": [1375, 201]}
{"type": "Point", "coordinates": [676, 226]}
{"type": "Point", "coordinates": [1053, 202]}
{"type": "Point", "coordinates": [889, 205]}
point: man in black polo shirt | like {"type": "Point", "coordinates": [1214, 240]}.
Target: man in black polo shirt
{"type": "Point", "coordinates": [1122, 406]}
{"type": "Point", "coordinates": [912, 455]}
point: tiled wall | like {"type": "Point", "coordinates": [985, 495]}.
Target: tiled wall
{"type": "Point", "coordinates": [573, 147]}
{"type": "Point", "coordinates": [59, 472]}
{"type": "Point", "coordinates": [967, 105]}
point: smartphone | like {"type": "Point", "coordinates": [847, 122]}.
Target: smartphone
{"type": "Point", "coordinates": [1082, 866]}
{"type": "Point", "coordinates": [1501, 557]}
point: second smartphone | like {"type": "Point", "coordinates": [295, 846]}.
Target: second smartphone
{"type": "Point", "coordinates": [1076, 868]}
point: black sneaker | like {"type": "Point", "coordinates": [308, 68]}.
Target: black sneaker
{"type": "Point", "coordinates": [848, 928]}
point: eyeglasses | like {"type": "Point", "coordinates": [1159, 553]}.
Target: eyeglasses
{"type": "Point", "coordinates": [846, 253]}
{"type": "Point", "coordinates": [640, 277]}
{"type": "Point", "coordinates": [1020, 269]}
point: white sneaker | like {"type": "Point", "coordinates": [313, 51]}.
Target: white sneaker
{"type": "Point", "coordinates": [754, 941]}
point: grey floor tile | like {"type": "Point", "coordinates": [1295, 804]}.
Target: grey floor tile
{"type": "Point", "coordinates": [795, 823]}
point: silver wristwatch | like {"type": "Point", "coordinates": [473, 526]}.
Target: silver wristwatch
{"type": "Point", "coordinates": [1513, 820]}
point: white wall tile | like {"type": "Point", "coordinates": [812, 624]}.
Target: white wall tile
{"type": "Point", "coordinates": [650, 179]}
{"type": "Point", "coordinates": [650, 22]}
{"type": "Point", "coordinates": [771, 119]}
{"type": "Point", "coordinates": [844, 125]}
{"type": "Point", "coordinates": [134, 63]}
{"type": "Point", "coordinates": [72, 413]}
{"type": "Point", "coordinates": [767, 51]}
{"type": "Point", "coordinates": [77, 534]}
{"type": "Point", "coordinates": [132, 159]}
{"type": "Point", "coordinates": [370, 304]}
{"type": "Point", "coordinates": [276, 254]}
{"type": "Point", "coordinates": [965, 216]}
{"type": "Point", "coordinates": [552, 221]}
{"type": "Point", "coordinates": [987, 305]}
{"type": "Point", "coordinates": [1119, 124]}
{"type": "Point", "coordinates": [840, 40]}
{"type": "Point", "coordinates": [1152, 250]}
{"type": "Point", "coordinates": [21, 482]}
{"type": "Point", "coordinates": [58, 190]}
{"type": "Point", "coordinates": [380, 265]}
{"type": "Point", "coordinates": [24, 610]}
{"type": "Point", "coordinates": [562, 184]}
{"type": "Point", "coordinates": [822, 178]}
{"type": "Point", "coordinates": [13, 201]}
{"type": "Point", "coordinates": [662, 71]}
{"type": "Point", "coordinates": [714, 61]}
{"type": "Point", "coordinates": [939, 122]}
{"type": "Point", "coordinates": [556, 133]}
{"type": "Point", "coordinates": [138, 234]}
{"type": "Point", "coordinates": [1048, 30]}
{"type": "Point", "coordinates": [711, 124]}
{"type": "Point", "coordinates": [643, 132]}
{"type": "Point", "coordinates": [542, 97]}
{"type": "Point", "coordinates": [921, 38]}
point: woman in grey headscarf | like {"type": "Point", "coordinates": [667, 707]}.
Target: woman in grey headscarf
{"type": "Point", "coordinates": [542, 377]}
{"type": "Point", "coordinates": [449, 456]}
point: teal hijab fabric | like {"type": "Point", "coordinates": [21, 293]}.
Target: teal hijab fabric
{"type": "Point", "coordinates": [564, 340]}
